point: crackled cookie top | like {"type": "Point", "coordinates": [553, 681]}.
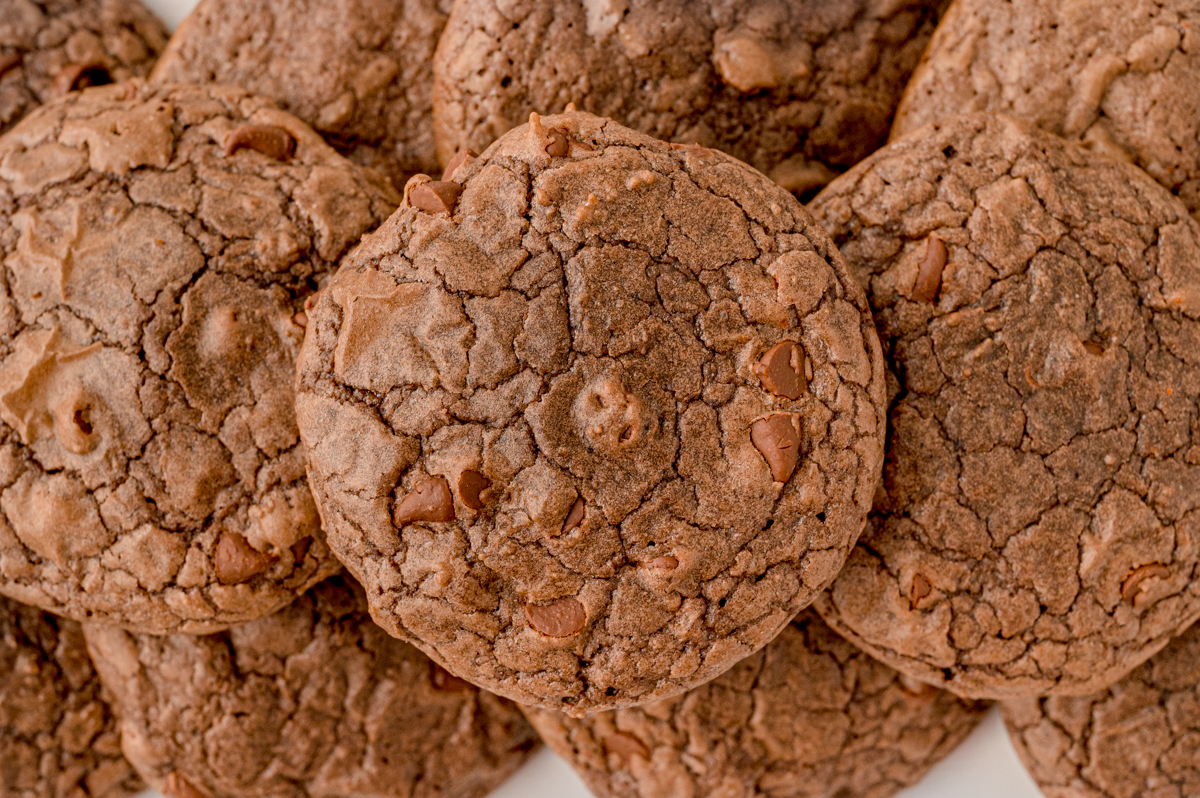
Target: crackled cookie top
{"type": "Point", "coordinates": [158, 245]}
{"type": "Point", "coordinates": [1039, 527]}
{"type": "Point", "coordinates": [359, 71]}
{"type": "Point", "coordinates": [1120, 77]}
{"type": "Point", "coordinates": [1139, 738]}
{"type": "Point", "coordinates": [51, 47]}
{"type": "Point", "coordinates": [595, 418]}
{"type": "Point", "coordinates": [800, 89]}
{"type": "Point", "coordinates": [315, 700]}
{"type": "Point", "coordinates": [58, 735]}
{"type": "Point", "coordinates": [809, 715]}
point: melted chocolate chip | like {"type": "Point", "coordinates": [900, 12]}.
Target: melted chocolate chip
{"type": "Point", "coordinates": [559, 146]}
{"type": "Point", "coordinates": [780, 369]}
{"type": "Point", "coordinates": [178, 787]}
{"type": "Point", "coordinates": [236, 561]}
{"type": "Point", "coordinates": [1132, 584]}
{"type": "Point", "coordinates": [76, 77]}
{"type": "Point", "coordinates": [560, 618]}
{"type": "Point", "coordinates": [460, 158]}
{"type": "Point", "coordinates": [471, 485]}
{"type": "Point", "coordinates": [667, 563]}
{"type": "Point", "coordinates": [777, 437]}
{"type": "Point", "coordinates": [270, 140]}
{"type": "Point", "coordinates": [435, 196]}
{"type": "Point", "coordinates": [429, 501]}
{"type": "Point", "coordinates": [929, 274]}
{"type": "Point", "coordinates": [921, 589]}
{"type": "Point", "coordinates": [575, 516]}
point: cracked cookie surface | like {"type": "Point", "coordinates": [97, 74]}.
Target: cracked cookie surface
{"type": "Point", "coordinates": [51, 47]}
{"type": "Point", "coordinates": [58, 734]}
{"type": "Point", "coordinates": [547, 419]}
{"type": "Point", "coordinates": [1138, 739]}
{"type": "Point", "coordinates": [799, 89]}
{"type": "Point", "coordinates": [315, 700]}
{"type": "Point", "coordinates": [809, 716]}
{"type": "Point", "coordinates": [359, 71]}
{"type": "Point", "coordinates": [158, 246]}
{"type": "Point", "coordinates": [1121, 78]}
{"type": "Point", "coordinates": [1038, 531]}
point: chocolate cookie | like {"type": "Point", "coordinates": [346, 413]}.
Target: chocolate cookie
{"type": "Point", "coordinates": [595, 418]}
{"type": "Point", "coordinates": [314, 700]}
{"type": "Point", "coordinates": [1119, 77]}
{"type": "Point", "coordinates": [1138, 739]}
{"type": "Point", "coordinates": [51, 47]}
{"type": "Point", "coordinates": [158, 247]}
{"type": "Point", "coordinates": [58, 735]}
{"type": "Point", "coordinates": [809, 715]}
{"type": "Point", "coordinates": [800, 89]}
{"type": "Point", "coordinates": [359, 71]}
{"type": "Point", "coordinates": [1038, 531]}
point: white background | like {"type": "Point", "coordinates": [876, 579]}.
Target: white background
{"type": "Point", "coordinates": [985, 766]}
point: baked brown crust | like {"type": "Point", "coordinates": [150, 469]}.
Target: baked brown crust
{"type": "Point", "coordinates": [58, 734]}
{"type": "Point", "coordinates": [809, 715]}
{"type": "Point", "coordinates": [1039, 527]}
{"type": "Point", "coordinates": [314, 700]}
{"type": "Point", "coordinates": [158, 246]}
{"type": "Point", "coordinates": [543, 330]}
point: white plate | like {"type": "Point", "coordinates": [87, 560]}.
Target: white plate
{"type": "Point", "coordinates": [985, 766]}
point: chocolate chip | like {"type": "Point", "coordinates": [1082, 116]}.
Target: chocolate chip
{"type": "Point", "coordinates": [236, 561]}
{"type": "Point", "coordinates": [559, 146]}
{"type": "Point", "coordinates": [1094, 348]}
{"type": "Point", "coordinates": [177, 786]}
{"type": "Point", "coordinates": [929, 274]}
{"type": "Point", "coordinates": [471, 485]}
{"type": "Point", "coordinates": [777, 437]}
{"type": "Point", "coordinates": [76, 77]}
{"type": "Point", "coordinates": [435, 196]}
{"type": "Point", "coordinates": [429, 501]}
{"type": "Point", "coordinates": [270, 140]}
{"type": "Point", "coordinates": [1132, 584]}
{"type": "Point", "coordinates": [300, 319]}
{"type": "Point", "coordinates": [780, 368]}
{"type": "Point", "coordinates": [667, 563]}
{"type": "Point", "coordinates": [575, 516]}
{"type": "Point", "coordinates": [626, 746]}
{"type": "Point", "coordinates": [8, 61]}
{"type": "Point", "coordinates": [560, 618]}
{"type": "Point", "coordinates": [921, 589]}
{"type": "Point", "coordinates": [917, 689]}
{"type": "Point", "coordinates": [460, 158]}
{"type": "Point", "coordinates": [446, 682]}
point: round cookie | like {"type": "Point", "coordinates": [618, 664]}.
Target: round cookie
{"type": "Point", "coordinates": [809, 715]}
{"type": "Point", "coordinates": [1138, 739]}
{"type": "Point", "coordinates": [359, 71]}
{"type": "Point", "coordinates": [58, 735]}
{"type": "Point", "coordinates": [1038, 531]}
{"type": "Point", "coordinates": [51, 47]}
{"type": "Point", "coordinates": [799, 89]}
{"type": "Point", "coordinates": [1119, 77]}
{"type": "Point", "coordinates": [158, 247]}
{"type": "Point", "coordinates": [593, 420]}
{"type": "Point", "coordinates": [314, 700]}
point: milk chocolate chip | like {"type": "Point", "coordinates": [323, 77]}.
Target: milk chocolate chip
{"type": "Point", "coordinates": [559, 146]}
{"type": "Point", "coordinates": [179, 787]}
{"type": "Point", "coordinates": [236, 561]}
{"type": "Point", "coordinates": [446, 682]}
{"type": "Point", "coordinates": [575, 516]}
{"type": "Point", "coordinates": [460, 158]}
{"type": "Point", "coordinates": [435, 196]}
{"type": "Point", "coordinates": [560, 618]}
{"type": "Point", "coordinates": [270, 140]}
{"type": "Point", "coordinates": [780, 370]}
{"type": "Point", "coordinates": [76, 77]}
{"type": "Point", "coordinates": [429, 501]}
{"type": "Point", "coordinates": [921, 588]}
{"type": "Point", "coordinates": [667, 563]}
{"type": "Point", "coordinates": [471, 485]}
{"type": "Point", "coordinates": [777, 437]}
{"type": "Point", "coordinates": [1133, 582]}
{"type": "Point", "coordinates": [626, 746]}
{"type": "Point", "coordinates": [929, 274]}
{"type": "Point", "coordinates": [8, 61]}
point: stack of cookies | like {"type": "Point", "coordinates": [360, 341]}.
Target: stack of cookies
{"type": "Point", "coordinates": [386, 384]}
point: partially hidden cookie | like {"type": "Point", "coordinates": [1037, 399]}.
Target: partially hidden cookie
{"type": "Point", "coordinates": [1038, 531]}
{"type": "Point", "coordinates": [799, 89]}
{"type": "Point", "coordinates": [595, 418]}
{"type": "Point", "coordinates": [315, 700]}
{"type": "Point", "coordinates": [1139, 738]}
{"type": "Point", "coordinates": [1118, 77]}
{"type": "Point", "coordinates": [809, 715]}
{"type": "Point", "coordinates": [359, 71]}
{"type": "Point", "coordinates": [51, 47]}
{"type": "Point", "coordinates": [58, 734]}
{"type": "Point", "coordinates": [159, 245]}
